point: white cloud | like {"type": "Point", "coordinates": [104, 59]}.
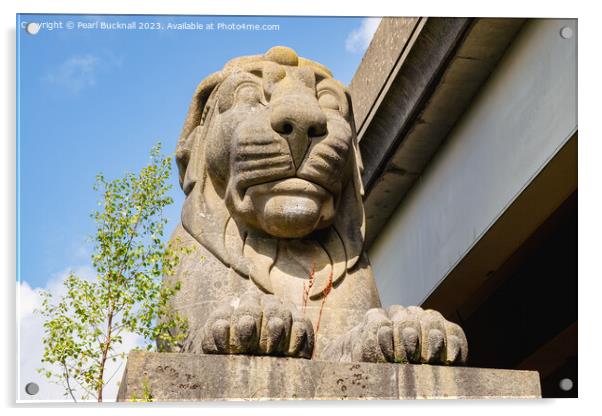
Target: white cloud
{"type": "Point", "coordinates": [29, 300]}
{"type": "Point", "coordinates": [79, 72]}
{"type": "Point", "coordinates": [75, 74]}
{"type": "Point", "coordinates": [359, 39]}
{"type": "Point", "coordinates": [31, 348]}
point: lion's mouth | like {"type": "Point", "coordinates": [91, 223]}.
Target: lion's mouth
{"type": "Point", "coordinates": [289, 208]}
{"type": "Point", "coordinates": [288, 186]}
{"type": "Point", "coordinates": [293, 186]}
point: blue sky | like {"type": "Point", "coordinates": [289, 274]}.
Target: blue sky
{"type": "Point", "coordinates": [97, 100]}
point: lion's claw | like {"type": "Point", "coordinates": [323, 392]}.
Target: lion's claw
{"type": "Point", "coordinates": [403, 335]}
{"type": "Point", "coordinates": [258, 324]}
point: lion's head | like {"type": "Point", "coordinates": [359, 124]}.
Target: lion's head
{"type": "Point", "coordinates": [269, 162]}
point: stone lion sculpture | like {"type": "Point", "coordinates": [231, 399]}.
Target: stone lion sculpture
{"type": "Point", "coordinates": [269, 162]}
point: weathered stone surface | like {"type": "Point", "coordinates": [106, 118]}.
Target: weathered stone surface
{"type": "Point", "coordinates": [270, 165]}
{"type": "Point", "coordinates": [192, 377]}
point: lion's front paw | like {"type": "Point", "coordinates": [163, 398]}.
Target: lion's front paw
{"type": "Point", "coordinates": [258, 324]}
{"type": "Point", "coordinates": [403, 335]}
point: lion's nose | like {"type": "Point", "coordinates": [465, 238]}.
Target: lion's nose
{"type": "Point", "coordinates": [298, 123]}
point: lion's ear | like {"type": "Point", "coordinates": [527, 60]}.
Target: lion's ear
{"type": "Point", "coordinates": [194, 122]}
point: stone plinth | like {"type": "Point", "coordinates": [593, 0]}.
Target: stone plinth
{"type": "Point", "coordinates": [195, 377]}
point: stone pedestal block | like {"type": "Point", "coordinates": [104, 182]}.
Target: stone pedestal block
{"type": "Point", "coordinates": [195, 377]}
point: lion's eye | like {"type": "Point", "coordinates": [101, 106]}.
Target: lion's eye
{"type": "Point", "coordinates": [248, 93]}
{"type": "Point", "coordinates": [328, 100]}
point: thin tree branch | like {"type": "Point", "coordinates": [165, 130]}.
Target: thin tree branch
{"type": "Point", "coordinates": [66, 375]}
{"type": "Point", "coordinates": [115, 372]}
{"type": "Point", "coordinates": [81, 385]}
